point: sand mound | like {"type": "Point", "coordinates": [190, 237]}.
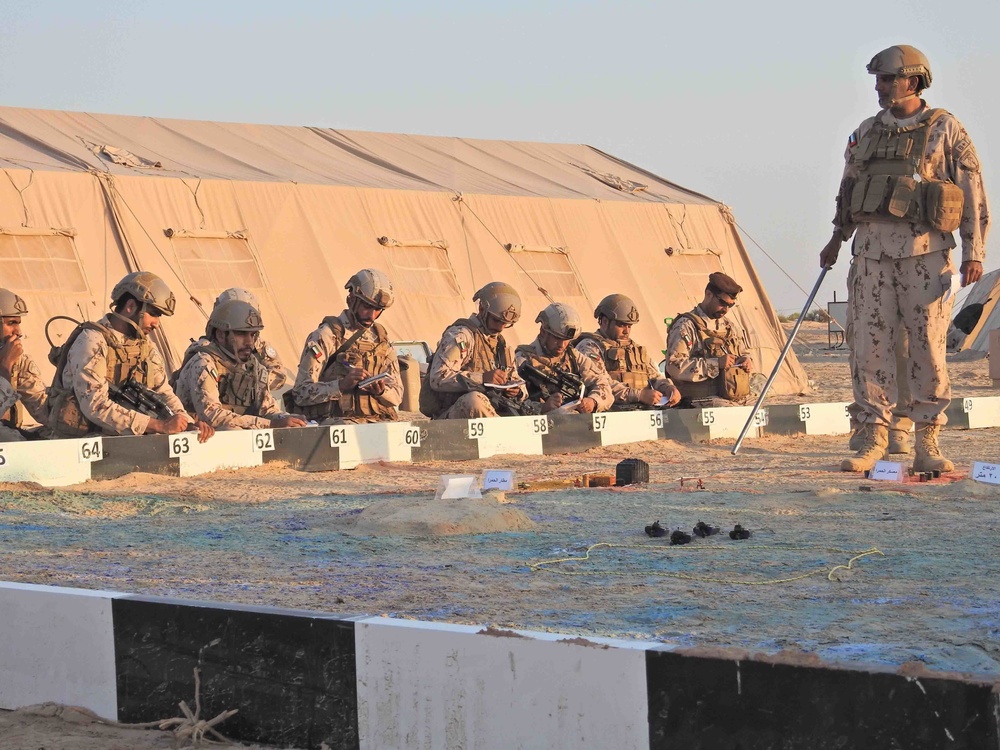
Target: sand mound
{"type": "Point", "coordinates": [435, 517]}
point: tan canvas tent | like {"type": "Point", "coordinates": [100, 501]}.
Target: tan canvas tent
{"type": "Point", "coordinates": [985, 293]}
{"type": "Point", "coordinates": [292, 212]}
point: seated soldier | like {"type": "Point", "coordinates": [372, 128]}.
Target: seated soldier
{"type": "Point", "coordinates": [21, 387]}
{"type": "Point", "coordinates": [265, 352]}
{"type": "Point", "coordinates": [707, 351]}
{"type": "Point", "coordinates": [98, 359]}
{"type": "Point", "coordinates": [225, 382]}
{"type": "Point", "coordinates": [551, 353]}
{"type": "Point", "coordinates": [635, 382]}
{"type": "Point", "coordinates": [343, 352]}
{"type": "Point", "coordinates": [472, 353]}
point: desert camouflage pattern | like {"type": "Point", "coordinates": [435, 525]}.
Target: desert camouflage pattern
{"type": "Point", "coordinates": [688, 361]}
{"type": "Point", "coordinates": [597, 384]}
{"type": "Point", "coordinates": [451, 367]}
{"type": "Point", "coordinates": [949, 156]}
{"type": "Point", "coordinates": [30, 389]}
{"type": "Point", "coordinates": [622, 391]}
{"type": "Point", "coordinates": [86, 375]}
{"type": "Point", "coordinates": [309, 389]}
{"type": "Point", "coordinates": [8, 400]}
{"type": "Point", "coordinates": [277, 376]}
{"type": "Point", "coordinates": [900, 280]}
{"type": "Point", "coordinates": [198, 390]}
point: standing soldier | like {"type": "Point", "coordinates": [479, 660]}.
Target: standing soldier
{"type": "Point", "coordinates": [634, 379]}
{"type": "Point", "coordinates": [225, 382]}
{"type": "Point", "coordinates": [21, 387]}
{"type": "Point", "coordinates": [912, 178]}
{"type": "Point", "coordinates": [346, 350]}
{"type": "Point", "coordinates": [98, 358]}
{"type": "Point", "coordinates": [551, 352]}
{"type": "Point", "coordinates": [707, 352]}
{"type": "Point", "coordinates": [471, 354]}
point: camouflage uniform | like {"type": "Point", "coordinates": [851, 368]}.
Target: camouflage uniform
{"type": "Point", "coordinates": [595, 347]}
{"type": "Point", "coordinates": [900, 277]}
{"type": "Point", "coordinates": [268, 355]}
{"type": "Point", "coordinates": [198, 387]}
{"type": "Point", "coordinates": [86, 377]}
{"type": "Point", "coordinates": [688, 362]}
{"type": "Point", "coordinates": [597, 384]}
{"type": "Point", "coordinates": [456, 370]}
{"type": "Point", "coordinates": [29, 390]}
{"type": "Point", "coordinates": [316, 385]}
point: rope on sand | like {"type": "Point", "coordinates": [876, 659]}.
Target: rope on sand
{"type": "Point", "coordinates": [547, 565]}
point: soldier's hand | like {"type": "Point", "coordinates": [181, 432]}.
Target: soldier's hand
{"type": "Point", "coordinates": [177, 423]}
{"type": "Point", "coordinates": [828, 256]}
{"type": "Point", "coordinates": [354, 376]}
{"type": "Point", "coordinates": [649, 396]}
{"type": "Point", "coordinates": [289, 420]}
{"type": "Point", "coordinates": [745, 362]}
{"type": "Point", "coordinates": [205, 430]}
{"type": "Point", "coordinates": [11, 352]}
{"type": "Point", "coordinates": [552, 402]}
{"type": "Point", "coordinates": [497, 377]}
{"type": "Point", "coordinates": [375, 389]}
{"type": "Point", "coordinates": [513, 393]}
{"type": "Point", "coordinates": [673, 395]}
{"type": "Point", "coordinates": [587, 405]}
{"type": "Point", "coordinates": [726, 361]}
{"type": "Point", "coordinates": [972, 271]}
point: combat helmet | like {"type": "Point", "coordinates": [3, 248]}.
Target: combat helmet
{"type": "Point", "coordinates": [902, 61]}
{"type": "Point", "coordinates": [619, 308]}
{"type": "Point", "coordinates": [149, 289]}
{"type": "Point", "coordinates": [236, 292]}
{"type": "Point", "coordinates": [11, 305]}
{"type": "Point", "coordinates": [500, 300]}
{"type": "Point", "coordinates": [372, 287]}
{"type": "Point", "coordinates": [561, 320]}
{"type": "Point", "coordinates": [235, 315]}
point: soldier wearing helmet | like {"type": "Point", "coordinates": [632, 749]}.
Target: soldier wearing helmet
{"type": "Point", "coordinates": [912, 177]}
{"type": "Point", "coordinates": [473, 356]}
{"type": "Point", "coordinates": [707, 350]}
{"type": "Point", "coordinates": [21, 386]}
{"type": "Point", "coordinates": [225, 382]}
{"type": "Point", "coordinates": [111, 351]}
{"type": "Point", "coordinates": [559, 324]}
{"type": "Point", "coordinates": [345, 350]}
{"type": "Point", "coordinates": [635, 381]}
{"type": "Point", "coordinates": [278, 375]}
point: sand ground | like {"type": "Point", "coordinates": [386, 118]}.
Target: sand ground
{"type": "Point", "coordinates": [276, 536]}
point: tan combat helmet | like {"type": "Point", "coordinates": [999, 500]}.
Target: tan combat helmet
{"type": "Point", "coordinates": [561, 320]}
{"type": "Point", "coordinates": [149, 289]}
{"type": "Point", "coordinates": [902, 61]}
{"type": "Point", "coordinates": [499, 300]}
{"type": "Point", "coordinates": [372, 287]}
{"type": "Point", "coordinates": [618, 307]}
{"type": "Point", "coordinates": [235, 292]}
{"type": "Point", "coordinates": [235, 315]}
{"type": "Point", "coordinates": [11, 305]}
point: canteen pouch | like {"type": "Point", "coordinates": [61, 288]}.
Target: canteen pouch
{"type": "Point", "coordinates": [735, 384]}
{"type": "Point", "coordinates": [943, 203]}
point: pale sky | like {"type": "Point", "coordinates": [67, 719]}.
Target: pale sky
{"type": "Point", "coordinates": [750, 103]}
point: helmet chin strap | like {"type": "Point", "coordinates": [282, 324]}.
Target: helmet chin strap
{"type": "Point", "coordinates": [129, 321]}
{"type": "Point", "coordinates": [898, 100]}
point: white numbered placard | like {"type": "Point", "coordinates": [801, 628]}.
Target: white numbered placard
{"type": "Point", "coordinates": [338, 436]}
{"type": "Point", "coordinates": [984, 472]}
{"type": "Point", "coordinates": [412, 437]}
{"type": "Point", "coordinates": [263, 440]}
{"type": "Point", "coordinates": [599, 421]}
{"type": "Point", "coordinates": [707, 417]}
{"type": "Point", "coordinates": [760, 418]}
{"type": "Point", "coordinates": [540, 425]}
{"type": "Point", "coordinates": [91, 449]}
{"type": "Point", "coordinates": [656, 419]}
{"type": "Point", "coordinates": [477, 428]}
{"type": "Point", "coordinates": [181, 444]}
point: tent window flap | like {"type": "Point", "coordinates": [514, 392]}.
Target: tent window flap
{"type": "Point", "coordinates": [216, 263]}
{"type": "Point", "coordinates": [44, 262]}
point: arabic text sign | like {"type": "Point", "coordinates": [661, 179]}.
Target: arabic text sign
{"type": "Point", "coordinates": [984, 472]}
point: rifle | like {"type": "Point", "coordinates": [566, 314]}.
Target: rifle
{"type": "Point", "coordinates": [134, 395]}
{"type": "Point", "coordinates": [505, 406]}
{"type": "Point", "coordinates": [543, 384]}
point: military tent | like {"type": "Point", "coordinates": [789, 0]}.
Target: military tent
{"type": "Point", "coordinates": [292, 212]}
{"type": "Point", "coordinates": [980, 315]}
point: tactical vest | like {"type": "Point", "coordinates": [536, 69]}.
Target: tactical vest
{"type": "Point", "coordinates": [242, 385]}
{"type": "Point", "coordinates": [130, 356]}
{"type": "Point", "coordinates": [732, 384]}
{"type": "Point", "coordinates": [14, 417]}
{"type": "Point", "coordinates": [625, 363]}
{"type": "Point", "coordinates": [890, 185]}
{"type": "Point", "coordinates": [566, 363]}
{"type": "Point", "coordinates": [373, 357]}
{"type": "Point", "coordinates": [485, 357]}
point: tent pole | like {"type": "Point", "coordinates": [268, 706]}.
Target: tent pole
{"type": "Point", "coordinates": [781, 359]}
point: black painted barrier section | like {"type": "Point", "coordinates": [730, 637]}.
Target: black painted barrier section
{"type": "Point", "coordinates": [123, 455]}
{"type": "Point", "coordinates": [783, 419]}
{"type": "Point", "coordinates": [719, 703]}
{"type": "Point", "coordinates": [305, 448]}
{"type": "Point", "coordinates": [445, 440]}
{"type": "Point", "coordinates": [291, 674]}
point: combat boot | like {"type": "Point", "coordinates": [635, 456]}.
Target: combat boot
{"type": "Point", "coordinates": [929, 456]}
{"type": "Point", "coordinates": [873, 449]}
{"type": "Point", "coordinates": [857, 435]}
{"type": "Point", "coordinates": [899, 434]}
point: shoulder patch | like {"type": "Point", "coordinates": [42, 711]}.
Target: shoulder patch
{"type": "Point", "coordinates": [270, 352]}
{"type": "Point", "coordinates": [462, 346]}
{"type": "Point", "coordinates": [966, 153]}
{"type": "Point", "coordinates": [214, 373]}
{"type": "Point", "coordinates": [852, 139]}
{"type": "Point", "coordinates": [316, 351]}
